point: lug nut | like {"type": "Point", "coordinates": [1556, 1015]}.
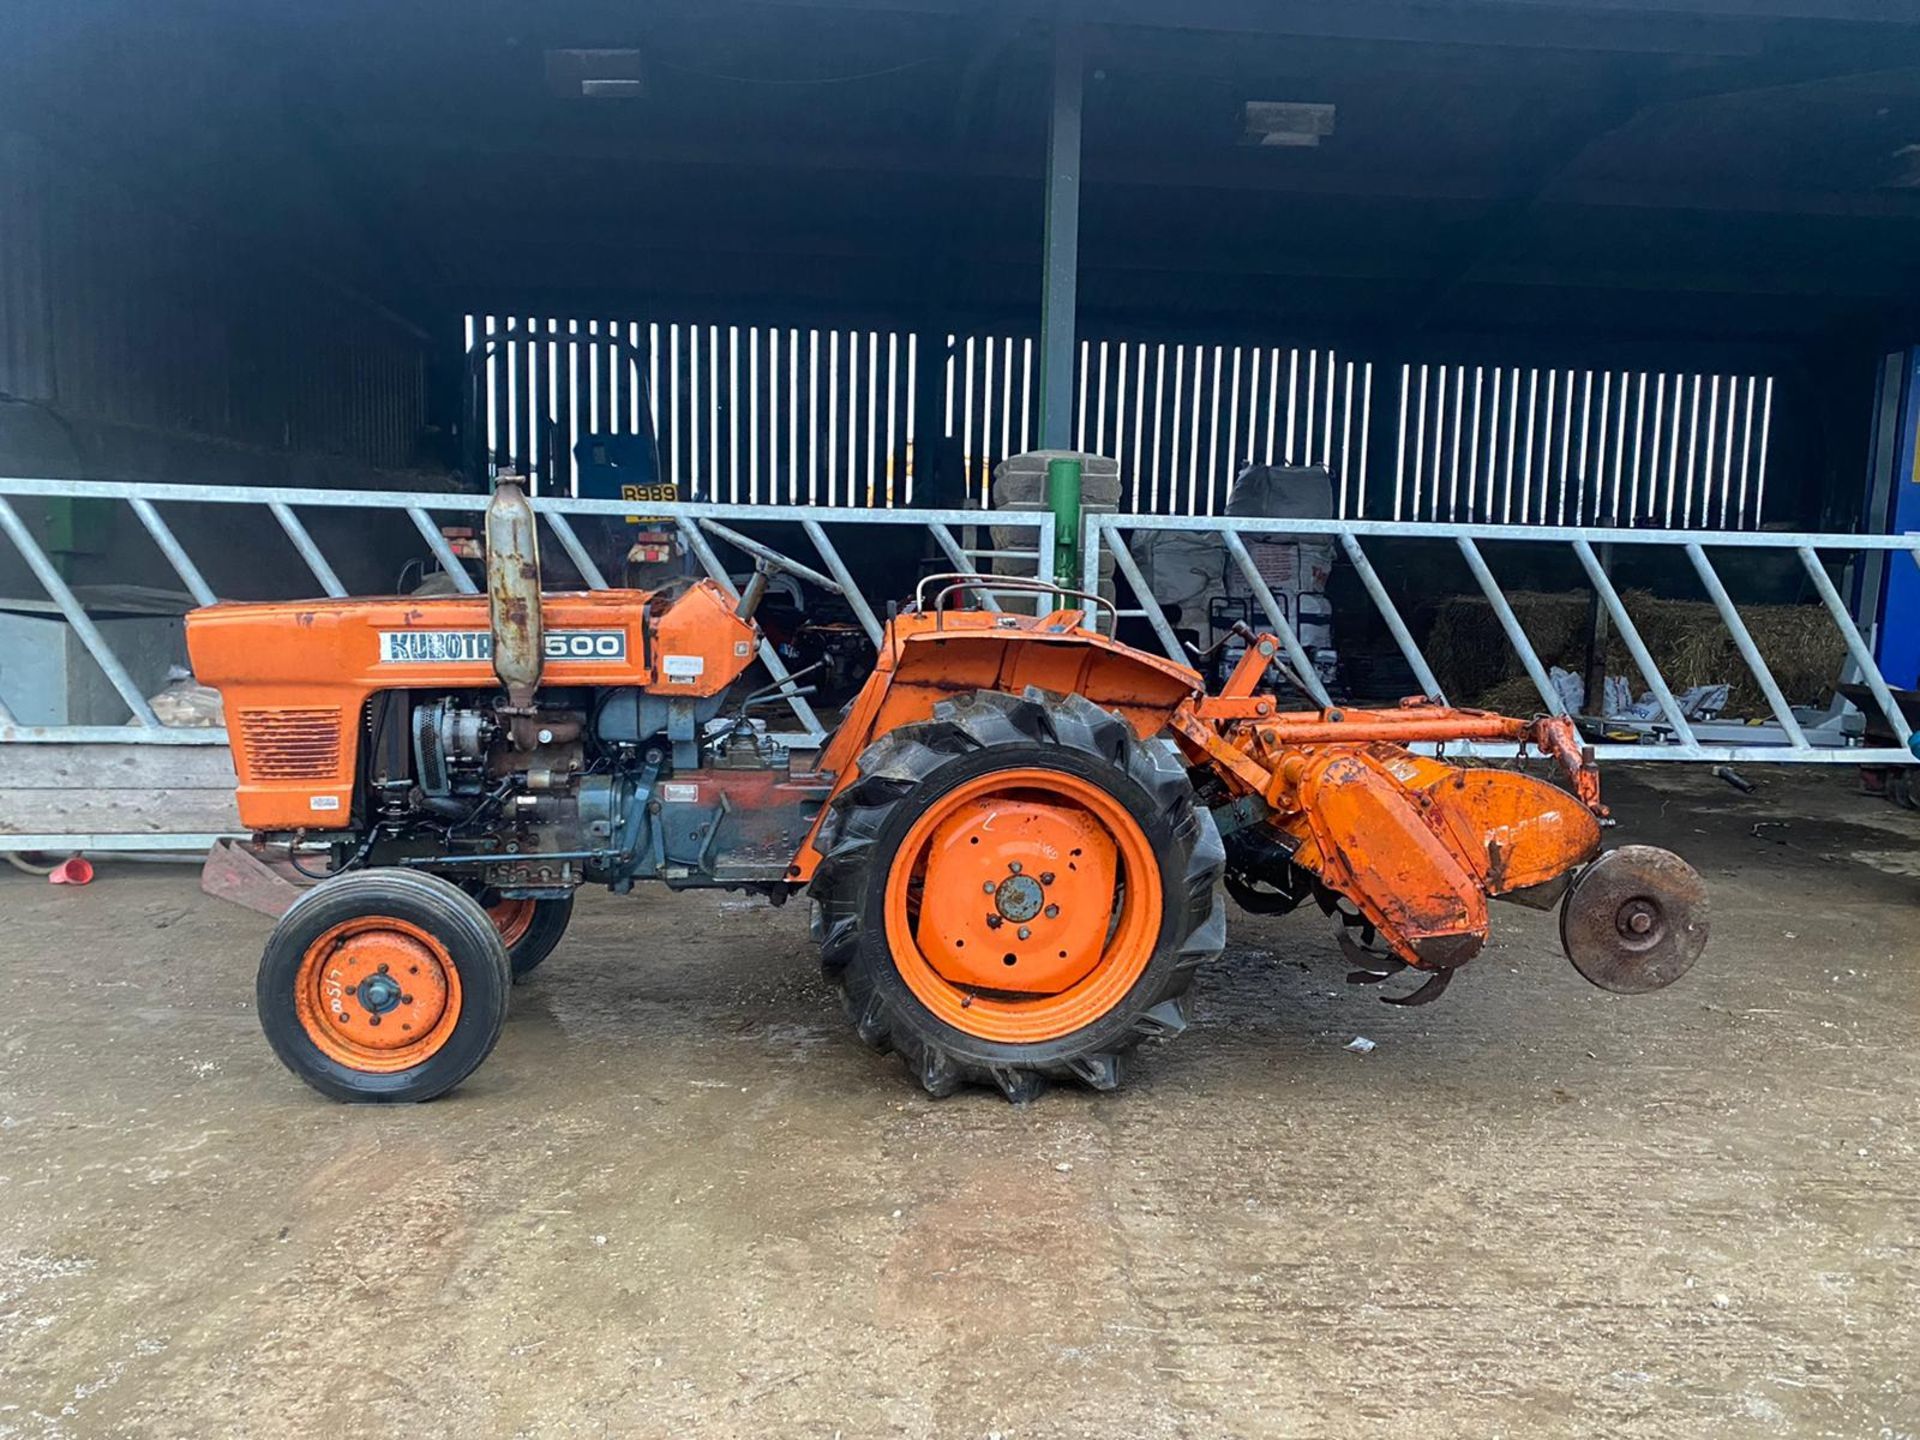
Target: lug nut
{"type": "Point", "coordinates": [1014, 866]}
{"type": "Point", "coordinates": [1024, 933]}
{"type": "Point", "coordinates": [373, 1020]}
{"type": "Point", "coordinates": [988, 887]}
{"type": "Point", "coordinates": [1052, 912]}
{"type": "Point", "coordinates": [994, 922]}
{"type": "Point", "coordinates": [1046, 877]}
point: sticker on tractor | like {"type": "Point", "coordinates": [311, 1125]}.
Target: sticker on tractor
{"type": "Point", "coordinates": [586, 645]}
{"type": "Point", "coordinates": [323, 802]}
{"type": "Point", "coordinates": [683, 669]}
{"type": "Point", "coordinates": [439, 647]}
{"type": "Point", "coordinates": [678, 792]}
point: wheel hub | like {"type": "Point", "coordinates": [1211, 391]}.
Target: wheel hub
{"type": "Point", "coordinates": [378, 991]}
{"type": "Point", "coordinates": [1018, 895]}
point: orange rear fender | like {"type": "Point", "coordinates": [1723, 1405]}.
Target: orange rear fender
{"type": "Point", "coordinates": [925, 659]}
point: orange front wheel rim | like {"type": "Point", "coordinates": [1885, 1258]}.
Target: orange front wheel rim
{"type": "Point", "coordinates": [1023, 905]}
{"type": "Point", "coordinates": [377, 994]}
{"type": "Point", "coordinates": [512, 918]}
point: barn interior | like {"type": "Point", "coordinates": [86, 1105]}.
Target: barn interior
{"type": "Point", "coordinates": [264, 246]}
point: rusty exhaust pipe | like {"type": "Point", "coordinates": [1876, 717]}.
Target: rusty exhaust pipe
{"type": "Point", "coordinates": [513, 603]}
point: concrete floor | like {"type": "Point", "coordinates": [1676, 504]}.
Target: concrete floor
{"type": "Point", "coordinates": [682, 1200]}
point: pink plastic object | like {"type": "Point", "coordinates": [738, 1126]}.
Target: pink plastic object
{"type": "Point", "coordinates": [75, 870]}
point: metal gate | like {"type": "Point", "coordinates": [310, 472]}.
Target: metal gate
{"type": "Point", "coordinates": [1788, 739]}
{"type": "Point", "coordinates": [962, 537]}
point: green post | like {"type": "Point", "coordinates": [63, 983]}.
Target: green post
{"type": "Point", "coordinates": [1063, 498]}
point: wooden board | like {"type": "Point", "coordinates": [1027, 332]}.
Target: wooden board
{"type": "Point", "coordinates": [111, 789]}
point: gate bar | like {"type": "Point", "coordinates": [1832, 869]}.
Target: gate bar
{"type": "Point", "coordinates": [769, 656]}
{"type": "Point", "coordinates": [837, 567]}
{"type": "Point", "coordinates": [442, 551]}
{"type": "Point", "coordinates": [1389, 613]}
{"type": "Point", "coordinates": [1510, 623]}
{"type": "Point", "coordinates": [1856, 646]}
{"type": "Point", "coordinates": [1302, 662]}
{"type": "Point", "coordinates": [1743, 641]}
{"type": "Point", "coordinates": [965, 566]}
{"type": "Point", "coordinates": [1636, 647]}
{"type": "Point", "coordinates": [309, 552]}
{"type": "Point", "coordinates": [176, 554]}
{"type": "Point", "coordinates": [77, 617]}
{"type": "Point", "coordinates": [1150, 607]}
{"type": "Point", "coordinates": [576, 552]}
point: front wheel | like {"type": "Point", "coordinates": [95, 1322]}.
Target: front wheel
{"type": "Point", "coordinates": [383, 986]}
{"type": "Point", "coordinates": [1017, 890]}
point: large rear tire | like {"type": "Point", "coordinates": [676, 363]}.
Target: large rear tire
{"type": "Point", "coordinates": [383, 986]}
{"type": "Point", "coordinates": [1015, 891]}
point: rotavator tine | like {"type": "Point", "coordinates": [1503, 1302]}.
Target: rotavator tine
{"type": "Point", "coordinates": [1377, 962]}
{"type": "Point", "coordinates": [1428, 993]}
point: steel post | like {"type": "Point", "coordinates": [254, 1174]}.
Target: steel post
{"type": "Point", "coordinates": [1061, 239]}
{"type": "Point", "coordinates": [1063, 499]}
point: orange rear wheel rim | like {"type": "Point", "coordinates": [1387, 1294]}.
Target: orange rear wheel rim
{"type": "Point", "coordinates": [1023, 905]}
{"type": "Point", "coordinates": [512, 918]}
{"type": "Point", "coordinates": [377, 994]}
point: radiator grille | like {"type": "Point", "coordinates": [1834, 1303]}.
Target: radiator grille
{"type": "Point", "coordinates": [291, 744]}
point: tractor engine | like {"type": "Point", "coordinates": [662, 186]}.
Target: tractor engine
{"type": "Point", "coordinates": [618, 785]}
{"type": "Point", "coordinates": [518, 744]}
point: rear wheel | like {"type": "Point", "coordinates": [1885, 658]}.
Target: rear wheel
{"type": "Point", "coordinates": [383, 986]}
{"type": "Point", "coordinates": [1017, 890]}
{"type": "Point", "coordinates": [530, 929]}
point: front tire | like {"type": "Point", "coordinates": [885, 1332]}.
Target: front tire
{"type": "Point", "coordinates": [383, 986]}
{"type": "Point", "coordinates": [1016, 891]}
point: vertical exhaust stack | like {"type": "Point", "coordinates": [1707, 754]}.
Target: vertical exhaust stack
{"type": "Point", "coordinates": [513, 602]}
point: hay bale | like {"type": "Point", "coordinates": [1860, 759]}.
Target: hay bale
{"type": "Point", "coordinates": [1469, 652]}
{"type": "Point", "coordinates": [1515, 696]}
{"type": "Point", "coordinates": [1474, 663]}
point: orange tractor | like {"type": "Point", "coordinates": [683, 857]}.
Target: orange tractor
{"type": "Point", "coordinates": [1017, 844]}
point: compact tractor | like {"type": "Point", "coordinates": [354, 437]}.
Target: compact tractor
{"type": "Point", "coordinates": [1017, 845]}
